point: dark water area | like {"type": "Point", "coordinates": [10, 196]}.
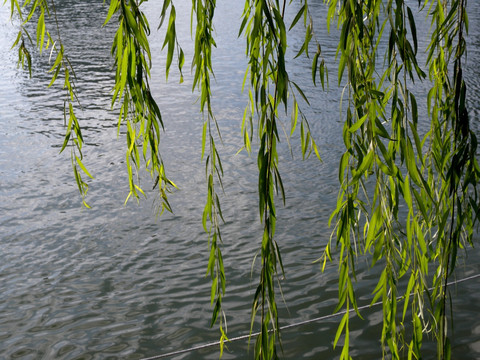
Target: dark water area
{"type": "Point", "coordinates": [116, 281]}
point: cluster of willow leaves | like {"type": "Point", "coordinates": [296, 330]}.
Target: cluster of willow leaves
{"type": "Point", "coordinates": [434, 175]}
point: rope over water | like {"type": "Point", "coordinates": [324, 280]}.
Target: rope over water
{"type": "Point", "coordinates": [247, 336]}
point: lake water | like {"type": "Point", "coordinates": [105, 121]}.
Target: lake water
{"type": "Point", "coordinates": [117, 282]}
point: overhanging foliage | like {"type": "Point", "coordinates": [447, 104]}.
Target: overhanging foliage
{"type": "Point", "coordinates": [387, 163]}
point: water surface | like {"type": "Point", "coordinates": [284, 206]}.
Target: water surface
{"type": "Point", "coordinates": [117, 282]}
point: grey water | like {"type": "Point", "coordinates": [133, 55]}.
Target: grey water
{"type": "Point", "coordinates": [115, 281]}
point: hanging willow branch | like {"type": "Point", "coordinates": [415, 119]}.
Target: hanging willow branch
{"type": "Point", "coordinates": [204, 11]}
{"type": "Point", "coordinates": [46, 17]}
{"type": "Point", "coordinates": [270, 86]}
{"type": "Point", "coordinates": [436, 176]}
{"type": "Point", "coordinates": [138, 109]}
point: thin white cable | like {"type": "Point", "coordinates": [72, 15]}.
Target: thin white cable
{"type": "Point", "coordinates": [242, 337]}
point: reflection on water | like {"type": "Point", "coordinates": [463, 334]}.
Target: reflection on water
{"type": "Point", "coordinates": [115, 281]}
